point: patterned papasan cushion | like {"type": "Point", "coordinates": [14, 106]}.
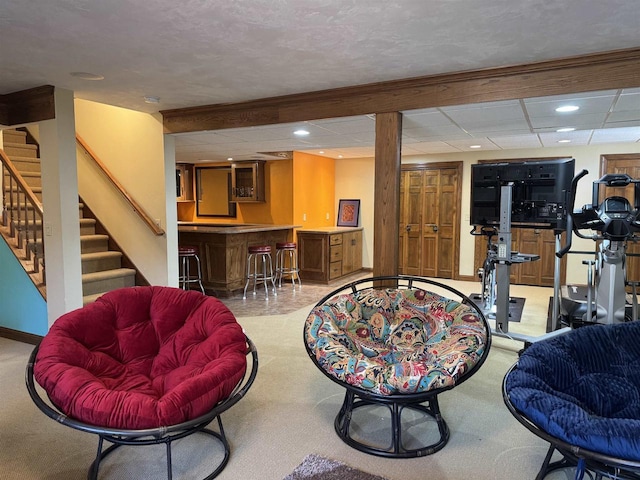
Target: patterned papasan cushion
{"type": "Point", "coordinates": [142, 357]}
{"type": "Point", "coordinates": [395, 341]}
{"type": "Point", "coordinates": [584, 388]}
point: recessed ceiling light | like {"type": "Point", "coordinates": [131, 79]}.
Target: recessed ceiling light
{"type": "Point", "coordinates": [475, 146]}
{"type": "Point", "coordinates": [339, 156]}
{"type": "Point", "coordinates": [321, 152]}
{"type": "Point", "coordinates": [564, 141]}
{"type": "Point", "coordinates": [151, 99]}
{"type": "Point", "coordinates": [566, 129]}
{"type": "Point", "coordinates": [230, 159]}
{"type": "Point", "coordinates": [301, 132]}
{"type": "Point", "coordinates": [87, 76]}
{"type": "Point", "coordinates": [567, 108]}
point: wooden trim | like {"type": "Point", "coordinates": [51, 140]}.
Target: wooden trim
{"type": "Point", "coordinates": [605, 158]}
{"type": "Point", "coordinates": [386, 207]}
{"type": "Point", "coordinates": [599, 71]}
{"type": "Point", "coordinates": [28, 106]}
{"type": "Point", "coordinates": [431, 166]}
{"type": "Point", "coordinates": [18, 336]}
{"type": "Point", "coordinates": [136, 207]}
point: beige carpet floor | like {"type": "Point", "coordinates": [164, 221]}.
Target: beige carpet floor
{"type": "Point", "coordinates": [287, 415]}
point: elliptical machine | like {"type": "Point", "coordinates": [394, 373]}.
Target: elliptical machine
{"type": "Point", "coordinates": [615, 222]}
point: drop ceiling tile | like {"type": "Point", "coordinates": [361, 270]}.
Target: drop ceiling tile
{"type": "Point", "coordinates": [428, 148]}
{"type": "Point", "coordinates": [500, 114]}
{"type": "Point", "coordinates": [506, 142]}
{"type": "Point", "coordinates": [628, 102]}
{"type": "Point", "coordinates": [571, 97]}
{"type": "Point", "coordinates": [594, 105]}
{"type": "Point", "coordinates": [434, 132]}
{"type": "Point", "coordinates": [552, 139]}
{"type": "Point", "coordinates": [465, 145]}
{"type": "Point", "coordinates": [424, 118]}
{"type": "Point", "coordinates": [630, 134]}
{"type": "Point", "coordinates": [581, 121]}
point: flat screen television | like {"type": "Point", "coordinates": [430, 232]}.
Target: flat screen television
{"type": "Point", "coordinates": [540, 192]}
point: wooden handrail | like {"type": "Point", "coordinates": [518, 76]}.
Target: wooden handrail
{"type": "Point", "coordinates": [22, 183]}
{"type": "Point", "coordinates": [136, 208]}
{"type": "Point", "coordinates": [27, 228]}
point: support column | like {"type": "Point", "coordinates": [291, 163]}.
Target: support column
{"type": "Point", "coordinates": [63, 268]}
{"type": "Point", "coordinates": [386, 203]}
{"type": "Point", "coordinates": [171, 209]}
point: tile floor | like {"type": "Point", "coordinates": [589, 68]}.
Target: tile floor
{"type": "Point", "coordinates": [288, 298]}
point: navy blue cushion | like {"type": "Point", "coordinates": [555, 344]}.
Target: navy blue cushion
{"type": "Point", "coordinates": [583, 388]}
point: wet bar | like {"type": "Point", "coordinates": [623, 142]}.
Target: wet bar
{"type": "Point", "coordinates": [223, 250]}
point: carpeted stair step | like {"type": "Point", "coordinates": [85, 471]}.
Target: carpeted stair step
{"type": "Point", "coordinates": [33, 179]}
{"type": "Point", "coordinates": [14, 136]}
{"type": "Point", "coordinates": [14, 193]}
{"type": "Point", "coordinates": [25, 164]}
{"type": "Point", "coordinates": [20, 150]}
{"type": "Point", "coordinates": [94, 243]}
{"type": "Point", "coordinates": [98, 282]}
{"type": "Point", "coordinates": [101, 261]}
{"type": "Point", "coordinates": [87, 226]}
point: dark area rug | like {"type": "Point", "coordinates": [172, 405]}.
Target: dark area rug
{"type": "Point", "coordinates": [315, 467]}
{"type": "Point", "coordinates": [516, 304]}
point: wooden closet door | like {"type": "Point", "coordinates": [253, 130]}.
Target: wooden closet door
{"type": "Point", "coordinates": [430, 220]}
{"type": "Point", "coordinates": [410, 222]}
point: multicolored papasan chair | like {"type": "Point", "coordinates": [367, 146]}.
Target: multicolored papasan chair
{"type": "Point", "coordinates": [581, 392]}
{"type": "Point", "coordinates": [144, 366]}
{"type": "Point", "coordinates": [392, 342]}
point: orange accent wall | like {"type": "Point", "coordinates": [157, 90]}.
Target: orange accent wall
{"type": "Point", "coordinates": [278, 207]}
{"type": "Point", "coordinates": [313, 190]}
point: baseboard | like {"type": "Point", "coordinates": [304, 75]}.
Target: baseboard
{"type": "Point", "coordinates": [18, 336]}
{"type": "Point", "coordinates": [468, 278]}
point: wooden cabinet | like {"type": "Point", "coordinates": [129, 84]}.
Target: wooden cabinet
{"type": "Point", "coordinates": [184, 182]}
{"type": "Point", "coordinates": [328, 254]}
{"type": "Point", "coordinates": [533, 241]}
{"type": "Point", "coordinates": [247, 181]}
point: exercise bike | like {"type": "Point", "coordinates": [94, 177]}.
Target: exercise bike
{"type": "Point", "coordinates": [487, 272]}
{"type": "Point", "coordinates": [615, 223]}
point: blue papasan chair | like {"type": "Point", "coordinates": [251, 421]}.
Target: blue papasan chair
{"type": "Point", "coordinates": [581, 392]}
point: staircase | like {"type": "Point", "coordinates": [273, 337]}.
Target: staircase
{"type": "Point", "coordinates": [102, 269]}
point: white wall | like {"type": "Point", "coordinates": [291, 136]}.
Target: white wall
{"type": "Point", "coordinates": [131, 146]}
{"type": "Point", "coordinates": [354, 179]}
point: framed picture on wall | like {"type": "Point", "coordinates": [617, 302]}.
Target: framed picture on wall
{"type": "Point", "coordinates": [348, 211]}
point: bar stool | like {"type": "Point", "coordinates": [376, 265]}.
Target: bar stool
{"type": "Point", "coordinates": [287, 263]}
{"type": "Point", "coordinates": [185, 254]}
{"type": "Point", "coordinates": [259, 269]}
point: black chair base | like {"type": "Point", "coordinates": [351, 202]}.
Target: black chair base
{"type": "Point", "coordinates": [425, 404]}
{"type": "Point", "coordinates": [118, 442]}
{"type": "Point", "coordinates": [151, 436]}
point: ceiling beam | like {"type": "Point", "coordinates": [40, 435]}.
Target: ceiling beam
{"type": "Point", "coordinates": [27, 106]}
{"type": "Point", "coordinates": [600, 71]}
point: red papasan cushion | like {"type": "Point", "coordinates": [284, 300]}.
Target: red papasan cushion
{"type": "Point", "coordinates": [142, 357]}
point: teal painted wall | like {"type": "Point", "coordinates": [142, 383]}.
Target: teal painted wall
{"type": "Point", "coordinates": [22, 308]}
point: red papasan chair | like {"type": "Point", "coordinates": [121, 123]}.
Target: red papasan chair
{"type": "Point", "coordinates": [143, 366]}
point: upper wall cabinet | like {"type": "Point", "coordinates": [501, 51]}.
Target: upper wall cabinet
{"type": "Point", "coordinates": [184, 182]}
{"type": "Point", "coordinates": [247, 181]}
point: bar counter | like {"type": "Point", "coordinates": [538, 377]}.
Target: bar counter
{"type": "Point", "coordinates": [223, 250]}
